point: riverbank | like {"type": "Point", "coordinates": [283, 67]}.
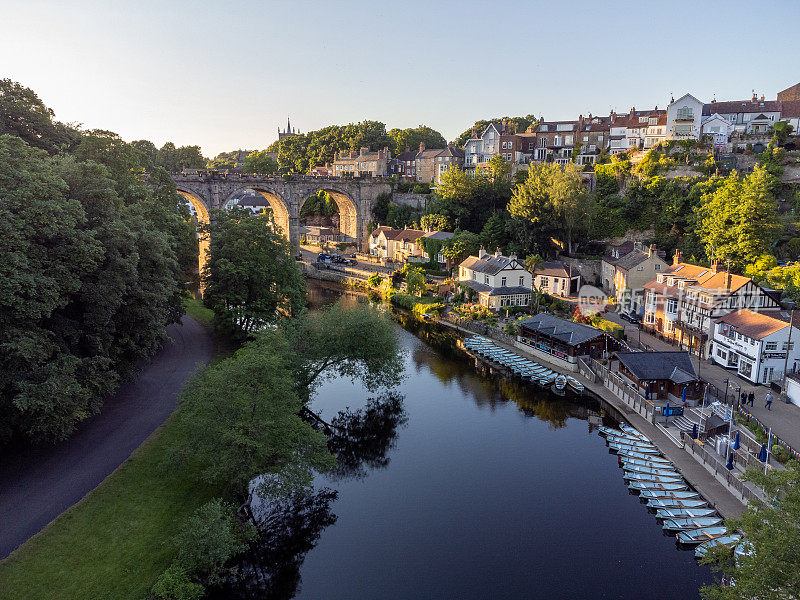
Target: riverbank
{"type": "Point", "coordinates": [111, 542]}
{"type": "Point", "coordinates": [717, 495]}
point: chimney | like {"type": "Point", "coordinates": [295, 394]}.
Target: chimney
{"type": "Point", "coordinates": [728, 281]}
{"type": "Point", "coordinates": [497, 253]}
{"type": "Point", "coordinates": [762, 97]}
{"type": "Point", "coordinates": [482, 252]}
{"type": "Point", "coordinates": [504, 125]}
{"type": "Point", "coordinates": [678, 257]}
{"type": "Point", "coordinates": [422, 146]}
{"type": "Point", "coordinates": [715, 265]}
{"type": "Point", "coordinates": [652, 250]}
{"type": "Point", "coordinates": [633, 110]}
{"type": "Point", "coordinates": [755, 98]}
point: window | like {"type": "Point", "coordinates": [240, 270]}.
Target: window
{"type": "Point", "coordinates": [545, 282]}
{"type": "Point", "coordinates": [502, 282]}
{"type": "Point", "coordinates": [640, 268]}
{"type": "Point", "coordinates": [771, 346]}
{"type": "Point", "coordinates": [599, 138]}
{"type": "Point", "coordinates": [586, 138]}
{"type": "Point", "coordinates": [521, 280]}
{"type": "Point", "coordinates": [790, 346]}
{"type": "Point", "coordinates": [543, 128]}
{"type": "Point", "coordinates": [543, 142]}
{"type": "Point", "coordinates": [564, 127]}
{"type": "Point", "coordinates": [486, 279]}
{"type": "Point", "coordinates": [745, 367]}
{"type": "Point", "coordinates": [649, 318]}
{"type": "Point", "coordinates": [683, 129]}
{"type": "Point", "coordinates": [685, 114]}
{"type": "Point", "coordinates": [568, 140]}
{"type": "Point", "coordinates": [672, 305]}
{"type": "Point", "coordinates": [658, 266]}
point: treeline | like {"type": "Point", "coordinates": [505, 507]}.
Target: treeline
{"type": "Point", "coordinates": [299, 153]}
{"type": "Point", "coordinates": [93, 265]}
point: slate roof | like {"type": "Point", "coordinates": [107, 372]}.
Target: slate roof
{"type": "Point", "coordinates": [509, 290]}
{"type": "Point", "coordinates": [675, 366]}
{"type": "Point", "coordinates": [632, 259]}
{"type": "Point", "coordinates": [489, 264]}
{"type": "Point", "coordinates": [742, 106]}
{"type": "Point", "coordinates": [553, 269]}
{"type": "Point", "coordinates": [407, 156]}
{"type": "Point", "coordinates": [407, 235]}
{"type": "Point", "coordinates": [566, 331]}
{"type": "Point", "coordinates": [439, 235]}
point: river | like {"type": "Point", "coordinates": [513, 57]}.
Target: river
{"type": "Point", "coordinates": [490, 489]}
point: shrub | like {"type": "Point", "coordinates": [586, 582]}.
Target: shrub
{"type": "Point", "coordinates": [421, 309]}
{"type": "Point", "coordinates": [375, 280]}
{"type": "Point", "coordinates": [174, 584]}
{"type": "Point", "coordinates": [780, 453]}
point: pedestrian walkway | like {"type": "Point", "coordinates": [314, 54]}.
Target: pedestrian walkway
{"type": "Point", "coordinates": [783, 418]}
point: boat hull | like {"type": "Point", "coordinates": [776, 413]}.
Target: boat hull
{"type": "Point", "coordinates": [698, 536]}
{"type": "Point", "coordinates": [686, 523]}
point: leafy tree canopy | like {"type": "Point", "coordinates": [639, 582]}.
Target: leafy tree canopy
{"type": "Point", "coordinates": [261, 163]}
{"type": "Point", "coordinates": [412, 137]}
{"type": "Point", "coordinates": [24, 115]}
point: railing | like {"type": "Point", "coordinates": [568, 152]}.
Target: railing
{"type": "Point", "coordinates": [712, 462]}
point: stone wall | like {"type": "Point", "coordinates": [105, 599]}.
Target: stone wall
{"type": "Point", "coordinates": [590, 269]}
{"type": "Point", "coordinates": [415, 201]}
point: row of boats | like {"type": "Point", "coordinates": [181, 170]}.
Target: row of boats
{"type": "Point", "coordinates": [524, 367]}
{"type": "Point", "coordinates": [680, 509]}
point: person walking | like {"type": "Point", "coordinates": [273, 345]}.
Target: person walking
{"type": "Point", "coordinates": [743, 399]}
{"type": "Point", "coordinates": [768, 399]}
{"type": "Point", "coordinates": [751, 397]}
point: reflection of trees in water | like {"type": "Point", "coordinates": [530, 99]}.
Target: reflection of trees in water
{"type": "Point", "coordinates": [270, 569]}
{"type": "Point", "coordinates": [361, 439]}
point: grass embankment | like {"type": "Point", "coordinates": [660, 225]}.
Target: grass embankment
{"type": "Point", "coordinates": [117, 540]}
{"type": "Point", "coordinates": [195, 309]}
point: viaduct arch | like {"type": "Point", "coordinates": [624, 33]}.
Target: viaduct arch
{"type": "Point", "coordinates": [210, 191]}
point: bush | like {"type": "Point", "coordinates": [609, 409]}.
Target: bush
{"type": "Point", "coordinates": [375, 280]}
{"type": "Point", "coordinates": [421, 309]}
{"type": "Point", "coordinates": [174, 584]}
{"type": "Point", "coordinates": [608, 326]}
{"type": "Point", "coordinates": [403, 300]}
{"type": "Point", "coordinates": [780, 453]}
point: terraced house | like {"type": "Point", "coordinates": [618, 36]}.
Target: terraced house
{"type": "Point", "coordinates": [684, 302]}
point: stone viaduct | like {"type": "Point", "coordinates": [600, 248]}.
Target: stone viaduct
{"type": "Point", "coordinates": [210, 191]}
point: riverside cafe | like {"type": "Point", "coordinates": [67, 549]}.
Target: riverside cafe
{"type": "Point", "coordinates": [564, 340]}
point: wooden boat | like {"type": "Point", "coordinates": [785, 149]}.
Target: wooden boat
{"type": "Point", "coordinates": [650, 477]}
{"type": "Point", "coordinates": [643, 462]}
{"type": "Point", "coordinates": [651, 450]}
{"type": "Point", "coordinates": [698, 536]}
{"type": "Point", "coordinates": [684, 513]}
{"type": "Point", "coordinates": [631, 430]}
{"type": "Point", "coordinates": [625, 439]}
{"type": "Point", "coordinates": [675, 503]}
{"type": "Point", "coordinates": [662, 471]}
{"type": "Point", "coordinates": [560, 383]}
{"type": "Point", "coordinates": [655, 485]}
{"type": "Point", "coordinates": [686, 523]}
{"type": "Point", "coordinates": [626, 454]}
{"type": "Point", "coordinates": [726, 540]}
{"type": "Point", "coordinates": [680, 495]}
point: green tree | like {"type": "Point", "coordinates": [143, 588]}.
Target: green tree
{"type": "Point", "coordinates": [412, 137]}
{"type": "Point", "coordinates": [738, 222]}
{"type": "Point", "coordinates": [261, 163]}
{"type": "Point", "coordinates": [375, 280]}
{"type": "Point", "coordinates": [571, 202]}
{"type": "Point", "coordinates": [499, 168]}
{"type": "Point", "coordinates": [781, 132]}
{"type": "Point", "coordinates": [495, 233]}
{"type": "Point", "coordinates": [209, 539]}
{"type": "Point", "coordinates": [241, 419]}
{"type": "Point", "coordinates": [433, 222]}
{"type": "Point", "coordinates": [530, 206]}
{"type": "Point", "coordinates": [251, 277]}
{"type": "Point", "coordinates": [460, 246]}
{"type": "Point", "coordinates": [771, 568]}
{"type": "Point", "coordinates": [175, 584]}
{"type": "Point", "coordinates": [358, 343]}
{"type": "Point", "coordinates": [415, 281]}
{"type": "Point", "coordinates": [24, 115]}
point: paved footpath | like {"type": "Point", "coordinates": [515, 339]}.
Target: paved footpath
{"type": "Point", "coordinates": [39, 483]}
{"type": "Point", "coordinates": [783, 418]}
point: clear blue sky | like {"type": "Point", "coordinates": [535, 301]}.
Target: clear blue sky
{"type": "Point", "coordinates": [225, 75]}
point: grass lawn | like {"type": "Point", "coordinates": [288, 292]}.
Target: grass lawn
{"type": "Point", "coordinates": [114, 543]}
{"type": "Point", "coordinates": [195, 309]}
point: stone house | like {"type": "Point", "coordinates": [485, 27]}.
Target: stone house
{"type": "Point", "coordinates": [632, 272]}
{"type": "Point", "coordinates": [432, 164]}
{"type": "Point", "coordinates": [363, 163]}
{"type": "Point", "coordinates": [557, 278]}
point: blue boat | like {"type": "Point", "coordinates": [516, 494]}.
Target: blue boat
{"type": "Point", "coordinates": [698, 536]}
{"type": "Point", "coordinates": [675, 503]}
{"type": "Point", "coordinates": [643, 462]}
{"type": "Point", "coordinates": [638, 449]}
{"type": "Point", "coordinates": [686, 523]}
{"type": "Point", "coordinates": [651, 477]}
{"type": "Point", "coordinates": [658, 486]}
{"type": "Point", "coordinates": [664, 471]}
{"type": "Point", "coordinates": [625, 455]}
{"type": "Point", "coordinates": [726, 540]}
{"type": "Point", "coordinates": [684, 513]}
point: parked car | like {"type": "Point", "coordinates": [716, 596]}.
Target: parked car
{"type": "Point", "coordinates": [630, 317]}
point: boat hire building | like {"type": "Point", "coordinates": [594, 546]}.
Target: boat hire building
{"type": "Point", "coordinates": [562, 342]}
{"type": "Point", "coordinates": [755, 344]}
{"type": "Point", "coordinates": [661, 375]}
{"type": "Point", "coordinates": [498, 280]}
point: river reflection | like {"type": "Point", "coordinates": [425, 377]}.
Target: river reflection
{"type": "Point", "coordinates": [484, 487]}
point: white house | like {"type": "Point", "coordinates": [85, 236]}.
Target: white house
{"type": "Point", "coordinates": [482, 148]}
{"type": "Point", "coordinates": [684, 118]}
{"type": "Point", "coordinates": [557, 278]}
{"type": "Point", "coordinates": [719, 127]}
{"type": "Point", "coordinates": [747, 116]}
{"type": "Point", "coordinates": [499, 280]}
{"type": "Point", "coordinates": [755, 344]}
